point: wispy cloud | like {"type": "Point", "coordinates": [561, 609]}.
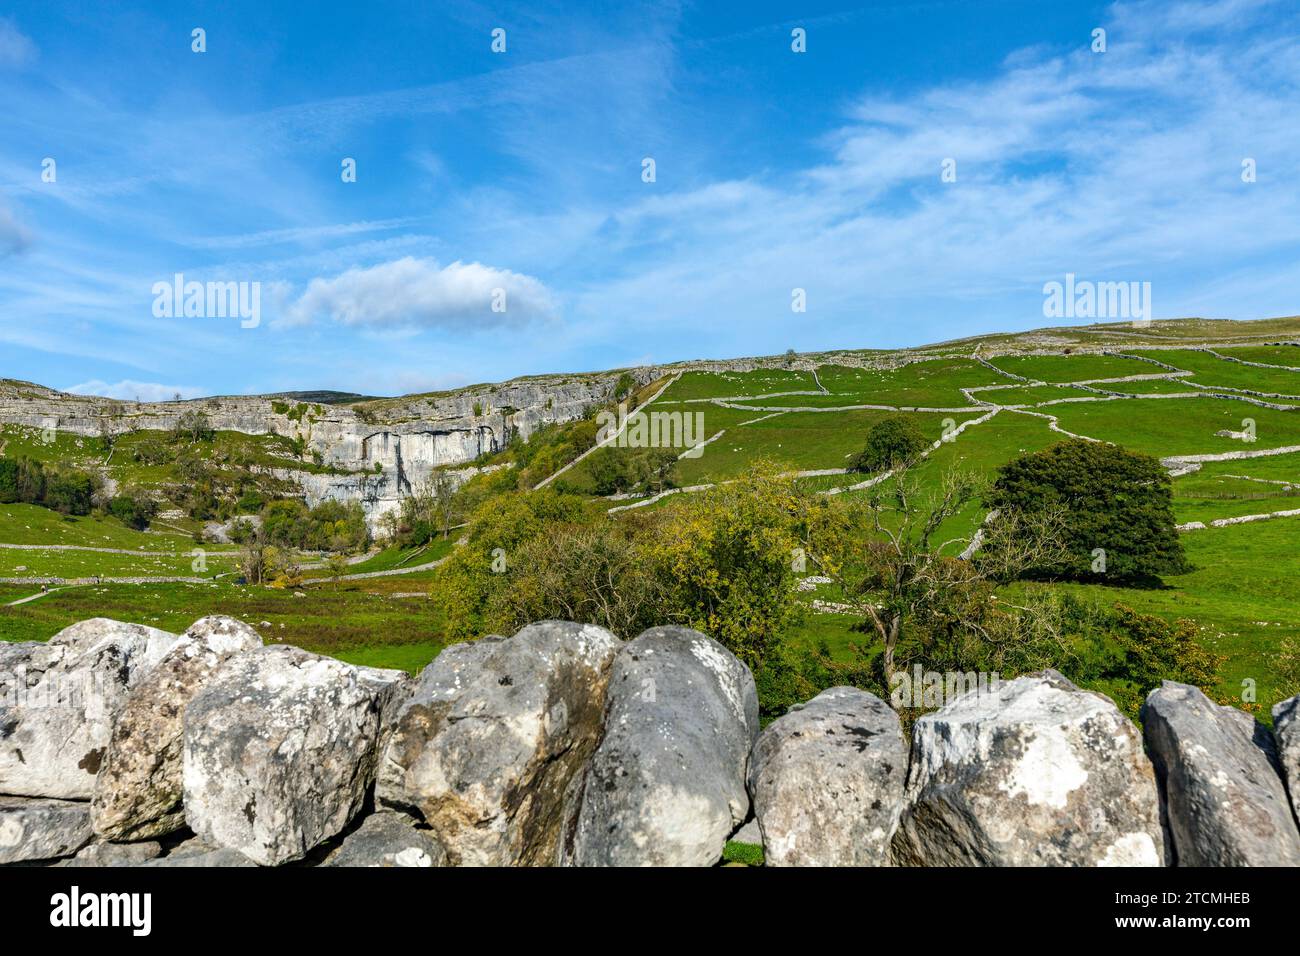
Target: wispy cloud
{"type": "Point", "coordinates": [17, 51]}
{"type": "Point", "coordinates": [14, 237]}
{"type": "Point", "coordinates": [129, 390]}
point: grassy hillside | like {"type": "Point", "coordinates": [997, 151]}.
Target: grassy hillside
{"type": "Point", "coordinates": [1013, 393]}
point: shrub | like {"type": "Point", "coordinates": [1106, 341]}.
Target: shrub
{"type": "Point", "coordinates": [133, 508]}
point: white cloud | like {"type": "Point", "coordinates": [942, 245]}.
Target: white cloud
{"type": "Point", "coordinates": [16, 50]}
{"type": "Point", "coordinates": [129, 390]}
{"type": "Point", "coordinates": [412, 293]}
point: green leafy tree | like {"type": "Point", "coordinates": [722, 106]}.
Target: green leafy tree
{"type": "Point", "coordinates": [8, 480]}
{"type": "Point", "coordinates": [728, 558]}
{"type": "Point", "coordinates": [499, 530]}
{"type": "Point", "coordinates": [891, 442]}
{"type": "Point", "coordinates": [1117, 504]}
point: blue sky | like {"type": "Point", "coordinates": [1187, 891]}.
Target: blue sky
{"type": "Point", "coordinates": [522, 171]}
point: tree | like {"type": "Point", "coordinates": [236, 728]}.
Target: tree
{"type": "Point", "coordinates": [193, 426]}
{"type": "Point", "coordinates": [337, 564]}
{"type": "Point", "coordinates": [109, 426]}
{"type": "Point", "coordinates": [891, 442]}
{"type": "Point", "coordinates": [499, 530]}
{"type": "Point", "coordinates": [897, 575]}
{"type": "Point", "coordinates": [1118, 507]}
{"type": "Point", "coordinates": [590, 573]}
{"type": "Point", "coordinates": [133, 507]}
{"type": "Point", "coordinates": [69, 491]}
{"type": "Point", "coordinates": [8, 480]}
{"type": "Point", "coordinates": [727, 558]}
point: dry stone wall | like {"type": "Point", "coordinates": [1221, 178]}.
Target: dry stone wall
{"type": "Point", "coordinates": [122, 746]}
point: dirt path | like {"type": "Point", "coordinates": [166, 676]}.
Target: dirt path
{"type": "Point", "coordinates": [33, 597]}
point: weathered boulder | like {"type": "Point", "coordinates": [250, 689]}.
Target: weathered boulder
{"type": "Point", "coordinates": [388, 838]}
{"type": "Point", "coordinates": [38, 829]}
{"type": "Point", "coordinates": [486, 744]}
{"type": "Point", "coordinates": [58, 700]}
{"type": "Point", "coordinates": [1217, 766]}
{"type": "Point", "coordinates": [197, 853]}
{"type": "Point", "coordinates": [279, 749]}
{"type": "Point", "coordinates": [116, 854]}
{"type": "Point", "coordinates": [666, 785]}
{"type": "Point", "coordinates": [138, 790]}
{"type": "Point", "coordinates": [1286, 724]}
{"type": "Point", "coordinates": [827, 781]}
{"type": "Point", "coordinates": [1033, 773]}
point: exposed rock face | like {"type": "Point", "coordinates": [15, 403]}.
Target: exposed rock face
{"type": "Point", "coordinates": [35, 829]}
{"type": "Point", "coordinates": [827, 781]}
{"type": "Point", "coordinates": [1224, 796]}
{"type": "Point", "coordinates": [138, 790]}
{"type": "Point", "coordinates": [1286, 723]}
{"type": "Point", "coordinates": [667, 783]}
{"type": "Point", "coordinates": [1034, 773]}
{"type": "Point", "coordinates": [494, 731]}
{"type": "Point", "coordinates": [380, 451]}
{"type": "Point", "coordinates": [279, 750]}
{"type": "Point", "coordinates": [58, 701]}
{"type": "Point", "coordinates": [388, 839]}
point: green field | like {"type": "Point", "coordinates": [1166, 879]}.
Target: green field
{"type": "Point", "coordinates": [1239, 592]}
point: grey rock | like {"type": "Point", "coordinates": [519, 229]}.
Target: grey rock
{"type": "Point", "coordinates": [116, 854]}
{"type": "Point", "coordinates": [38, 829]}
{"type": "Point", "coordinates": [58, 700]}
{"type": "Point", "coordinates": [666, 786]}
{"type": "Point", "coordinates": [202, 855]}
{"type": "Point", "coordinates": [1224, 797]}
{"type": "Point", "coordinates": [278, 752]}
{"type": "Point", "coordinates": [1286, 724]}
{"type": "Point", "coordinates": [492, 735]}
{"type": "Point", "coordinates": [749, 833]}
{"type": "Point", "coordinates": [827, 781]}
{"type": "Point", "coordinates": [138, 792]}
{"type": "Point", "coordinates": [1034, 772]}
{"type": "Point", "coordinates": [388, 839]}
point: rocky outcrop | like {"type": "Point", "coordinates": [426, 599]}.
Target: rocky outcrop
{"type": "Point", "coordinates": [374, 452]}
{"type": "Point", "coordinates": [388, 839]}
{"type": "Point", "coordinates": [1286, 722]}
{"type": "Point", "coordinates": [827, 781]}
{"type": "Point", "coordinates": [138, 789]}
{"type": "Point", "coordinates": [563, 744]}
{"type": "Point", "coordinates": [484, 748]}
{"type": "Point", "coordinates": [1034, 773]}
{"type": "Point", "coordinates": [32, 828]}
{"type": "Point", "coordinates": [58, 701]}
{"type": "Point", "coordinates": [666, 785]}
{"type": "Point", "coordinates": [279, 751]}
{"type": "Point", "coordinates": [1224, 797]}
